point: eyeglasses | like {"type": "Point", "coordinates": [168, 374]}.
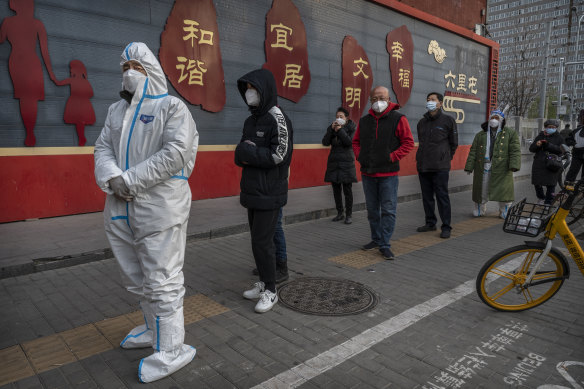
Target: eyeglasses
{"type": "Point", "coordinates": [374, 99]}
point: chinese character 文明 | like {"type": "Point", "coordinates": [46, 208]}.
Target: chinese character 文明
{"type": "Point", "coordinates": [449, 381]}
{"type": "Point", "coordinates": [397, 50]}
{"type": "Point", "coordinates": [282, 33]}
{"type": "Point", "coordinates": [206, 36]}
{"type": "Point", "coordinates": [461, 82]}
{"type": "Point", "coordinates": [360, 63]}
{"type": "Point", "coordinates": [449, 79]}
{"type": "Point", "coordinates": [292, 76]}
{"type": "Point", "coordinates": [404, 78]}
{"type": "Point", "coordinates": [352, 96]}
{"type": "Point", "coordinates": [195, 71]}
{"type": "Point", "coordinates": [472, 83]}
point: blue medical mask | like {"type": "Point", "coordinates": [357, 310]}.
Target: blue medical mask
{"type": "Point", "coordinates": [430, 105]}
{"type": "Point", "coordinates": [550, 130]}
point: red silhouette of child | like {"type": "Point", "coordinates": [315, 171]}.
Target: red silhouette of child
{"type": "Point", "coordinates": [78, 110]}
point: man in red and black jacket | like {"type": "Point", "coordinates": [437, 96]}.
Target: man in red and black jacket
{"type": "Point", "coordinates": [382, 139]}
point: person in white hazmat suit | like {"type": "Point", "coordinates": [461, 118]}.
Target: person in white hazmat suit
{"type": "Point", "coordinates": [143, 158]}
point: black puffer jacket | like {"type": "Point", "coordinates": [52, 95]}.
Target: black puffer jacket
{"type": "Point", "coordinates": [340, 167]}
{"type": "Point", "coordinates": [265, 157]}
{"type": "Point", "coordinates": [540, 175]}
{"type": "Point", "coordinates": [438, 140]}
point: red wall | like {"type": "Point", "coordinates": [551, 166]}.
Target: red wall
{"type": "Point", "coordinates": [57, 185]}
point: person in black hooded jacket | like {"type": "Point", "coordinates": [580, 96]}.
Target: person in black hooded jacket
{"type": "Point", "coordinates": [264, 153]}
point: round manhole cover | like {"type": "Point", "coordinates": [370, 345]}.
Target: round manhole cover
{"type": "Point", "coordinates": [327, 296]}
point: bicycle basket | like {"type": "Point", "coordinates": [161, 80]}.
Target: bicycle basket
{"type": "Point", "coordinates": [527, 219]}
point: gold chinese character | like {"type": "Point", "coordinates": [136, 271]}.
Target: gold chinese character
{"type": "Point", "coordinates": [449, 79]}
{"type": "Point", "coordinates": [404, 78]}
{"type": "Point", "coordinates": [206, 36]}
{"type": "Point", "coordinates": [397, 49]}
{"type": "Point", "coordinates": [282, 33]}
{"type": "Point", "coordinates": [195, 71]}
{"type": "Point", "coordinates": [353, 95]}
{"type": "Point", "coordinates": [292, 76]}
{"type": "Point", "coordinates": [360, 63]}
{"type": "Point", "coordinates": [472, 83]}
{"type": "Point", "coordinates": [461, 82]}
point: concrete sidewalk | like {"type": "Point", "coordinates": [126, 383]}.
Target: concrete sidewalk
{"type": "Point", "coordinates": [36, 245]}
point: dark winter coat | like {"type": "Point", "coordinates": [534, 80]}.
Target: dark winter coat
{"type": "Point", "coordinates": [540, 175]}
{"type": "Point", "coordinates": [265, 162]}
{"type": "Point", "coordinates": [340, 167]}
{"type": "Point", "coordinates": [438, 140]}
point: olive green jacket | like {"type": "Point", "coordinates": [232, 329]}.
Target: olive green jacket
{"type": "Point", "coordinates": [506, 159]}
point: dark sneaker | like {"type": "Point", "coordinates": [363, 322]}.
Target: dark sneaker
{"type": "Point", "coordinates": [348, 220]}
{"type": "Point", "coordinates": [338, 217]}
{"type": "Point", "coordinates": [370, 246]}
{"type": "Point", "coordinates": [387, 254]}
{"type": "Point", "coordinates": [445, 234]}
{"type": "Point", "coordinates": [426, 228]}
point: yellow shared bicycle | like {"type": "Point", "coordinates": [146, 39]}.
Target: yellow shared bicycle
{"type": "Point", "coordinates": [525, 276]}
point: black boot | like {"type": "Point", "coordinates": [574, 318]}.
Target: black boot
{"type": "Point", "coordinates": [338, 217]}
{"type": "Point", "coordinates": [281, 272]}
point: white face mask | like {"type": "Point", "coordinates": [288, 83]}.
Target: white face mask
{"type": "Point", "coordinates": [341, 121]}
{"type": "Point", "coordinates": [131, 79]}
{"type": "Point", "coordinates": [430, 105]}
{"type": "Point", "coordinates": [493, 123]}
{"type": "Point", "coordinates": [252, 97]}
{"type": "Point", "coordinates": [379, 106]}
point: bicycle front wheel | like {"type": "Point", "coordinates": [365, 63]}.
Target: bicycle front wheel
{"type": "Point", "coordinates": [500, 281]}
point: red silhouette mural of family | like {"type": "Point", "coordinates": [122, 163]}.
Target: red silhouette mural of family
{"type": "Point", "coordinates": [23, 32]}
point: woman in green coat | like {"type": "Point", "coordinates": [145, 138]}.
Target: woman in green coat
{"type": "Point", "coordinates": [494, 155]}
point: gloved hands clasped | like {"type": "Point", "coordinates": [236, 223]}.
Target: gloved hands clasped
{"type": "Point", "coordinates": [121, 190]}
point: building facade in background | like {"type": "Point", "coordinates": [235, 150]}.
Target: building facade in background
{"type": "Point", "coordinates": [520, 28]}
{"type": "Point", "coordinates": [412, 51]}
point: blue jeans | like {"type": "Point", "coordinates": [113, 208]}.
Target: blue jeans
{"type": "Point", "coordinates": [381, 200]}
{"type": "Point", "coordinates": [280, 241]}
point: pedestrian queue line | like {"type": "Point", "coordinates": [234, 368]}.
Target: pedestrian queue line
{"type": "Point", "coordinates": [53, 351]}
{"type": "Point", "coordinates": [360, 259]}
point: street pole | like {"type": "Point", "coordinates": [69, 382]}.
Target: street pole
{"type": "Point", "coordinates": [561, 87]}
{"type": "Point", "coordinates": [542, 92]}
{"type": "Point", "coordinates": [573, 117]}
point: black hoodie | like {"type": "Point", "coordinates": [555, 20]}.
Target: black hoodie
{"type": "Point", "coordinates": [265, 149]}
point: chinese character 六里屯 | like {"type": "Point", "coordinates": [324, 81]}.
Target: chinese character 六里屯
{"type": "Point", "coordinates": [449, 79]}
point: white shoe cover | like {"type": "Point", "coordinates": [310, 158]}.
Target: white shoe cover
{"type": "Point", "coordinates": [139, 337]}
{"type": "Point", "coordinates": [479, 210]}
{"type": "Point", "coordinates": [164, 363]}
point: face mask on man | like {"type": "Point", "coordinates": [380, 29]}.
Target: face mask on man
{"type": "Point", "coordinates": [431, 105]}
{"type": "Point", "coordinates": [550, 130]}
{"type": "Point", "coordinates": [379, 106]}
{"type": "Point", "coordinates": [494, 123]}
{"type": "Point", "coordinates": [131, 79]}
{"type": "Point", "coordinates": [252, 97]}
{"type": "Point", "coordinates": [341, 121]}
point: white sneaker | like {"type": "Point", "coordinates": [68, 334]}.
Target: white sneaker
{"type": "Point", "coordinates": [255, 292]}
{"type": "Point", "coordinates": [267, 300]}
{"type": "Point", "coordinates": [540, 202]}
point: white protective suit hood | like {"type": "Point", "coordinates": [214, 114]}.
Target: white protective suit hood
{"type": "Point", "coordinates": [138, 51]}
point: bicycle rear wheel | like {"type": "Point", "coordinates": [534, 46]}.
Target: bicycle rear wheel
{"type": "Point", "coordinates": [499, 281]}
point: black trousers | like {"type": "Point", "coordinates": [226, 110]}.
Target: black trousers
{"type": "Point", "coordinates": [262, 225]}
{"type": "Point", "coordinates": [348, 191]}
{"type": "Point", "coordinates": [435, 184]}
{"type": "Point", "coordinates": [574, 169]}
{"type": "Point", "coordinates": [549, 194]}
